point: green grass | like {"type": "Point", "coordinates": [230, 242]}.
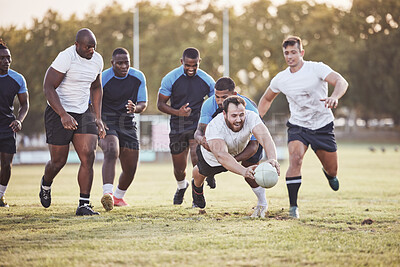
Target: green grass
{"type": "Point", "coordinates": [153, 232]}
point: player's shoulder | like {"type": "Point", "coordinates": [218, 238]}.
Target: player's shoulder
{"type": "Point", "coordinates": [18, 77]}
{"type": "Point", "coordinates": [205, 76]}
{"type": "Point", "coordinates": [97, 58]}
{"type": "Point", "coordinates": [175, 73]}
{"type": "Point", "coordinates": [314, 64]}
{"type": "Point", "coordinates": [136, 73]}
{"type": "Point", "coordinates": [107, 75]}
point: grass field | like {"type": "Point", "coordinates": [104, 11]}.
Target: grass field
{"type": "Point", "coordinates": [153, 232]}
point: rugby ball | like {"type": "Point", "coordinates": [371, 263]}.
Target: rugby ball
{"type": "Point", "coordinates": [266, 175]}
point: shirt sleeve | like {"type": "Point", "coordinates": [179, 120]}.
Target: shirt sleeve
{"type": "Point", "coordinates": [206, 111]}
{"type": "Point", "coordinates": [62, 62]}
{"type": "Point", "coordinates": [166, 86]}
{"type": "Point", "coordinates": [322, 70]}
{"type": "Point", "coordinates": [142, 93]}
{"type": "Point", "coordinates": [274, 85]}
{"type": "Point", "coordinates": [22, 88]}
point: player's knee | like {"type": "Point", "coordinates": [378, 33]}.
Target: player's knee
{"type": "Point", "coordinates": [6, 166]}
{"type": "Point", "coordinates": [58, 164]}
{"type": "Point", "coordinates": [296, 160]}
{"type": "Point", "coordinates": [111, 154]}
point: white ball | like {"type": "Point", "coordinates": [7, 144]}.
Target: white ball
{"type": "Point", "coordinates": [266, 175]}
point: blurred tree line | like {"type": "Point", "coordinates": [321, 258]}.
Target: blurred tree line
{"type": "Point", "coordinates": [361, 44]}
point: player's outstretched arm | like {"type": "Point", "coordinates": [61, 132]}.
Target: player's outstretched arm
{"type": "Point", "coordinates": [199, 135]}
{"type": "Point", "coordinates": [220, 150]}
{"type": "Point", "coordinates": [263, 136]}
{"type": "Point", "coordinates": [340, 88]}
{"type": "Point", "coordinates": [266, 101]}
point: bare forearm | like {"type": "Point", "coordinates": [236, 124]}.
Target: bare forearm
{"type": "Point", "coordinates": [54, 101]}
{"type": "Point", "coordinates": [340, 89]}
{"type": "Point", "coordinates": [230, 163]}
{"type": "Point", "coordinates": [140, 107]}
{"type": "Point", "coordinates": [163, 107]}
{"type": "Point", "coordinates": [263, 106]}
{"type": "Point", "coordinates": [97, 94]}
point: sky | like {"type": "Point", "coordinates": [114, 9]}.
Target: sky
{"type": "Point", "coordinates": [21, 12]}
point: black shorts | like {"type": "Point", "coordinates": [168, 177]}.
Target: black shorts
{"type": "Point", "coordinates": [56, 134]}
{"type": "Point", "coordinates": [257, 156]}
{"type": "Point", "coordinates": [204, 168]}
{"type": "Point", "coordinates": [8, 144]}
{"type": "Point", "coordinates": [322, 138]}
{"type": "Point", "coordinates": [180, 142]}
{"type": "Point", "coordinates": [127, 136]}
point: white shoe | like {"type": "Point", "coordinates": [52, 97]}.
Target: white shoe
{"type": "Point", "coordinates": [259, 212]}
{"type": "Point", "coordinates": [294, 212]}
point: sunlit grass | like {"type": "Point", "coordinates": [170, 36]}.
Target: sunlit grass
{"type": "Point", "coordinates": [153, 232]}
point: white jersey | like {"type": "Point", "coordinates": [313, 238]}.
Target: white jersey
{"type": "Point", "coordinates": [235, 141]}
{"type": "Point", "coordinates": [303, 90]}
{"type": "Point", "coordinates": [74, 90]}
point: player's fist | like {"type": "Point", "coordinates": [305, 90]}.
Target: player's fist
{"type": "Point", "coordinates": [185, 111]}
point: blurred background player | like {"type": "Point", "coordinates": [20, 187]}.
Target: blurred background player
{"type": "Point", "coordinates": [251, 155]}
{"type": "Point", "coordinates": [73, 78]}
{"type": "Point", "coordinates": [11, 84]}
{"type": "Point", "coordinates": [227, 135]}
{"type": "Point", "coordinates": [305, 84]}
{"type": "Point", "coordinates": [185, 87]}
{"type": "Point", "coordinates": [124, 94]}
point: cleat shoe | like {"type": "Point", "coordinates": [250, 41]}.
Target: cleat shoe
{"type": "Point", "coordinates": [86, 210]}
{"type": "Point", "coordinates": [211, 182]}
{"type": "Point", "coordinates": [294, 212]}
{"type": "Point", "coordinates": [198, 198]}
{"type": "Point", "coordinates": [107, 201]}
{"type": "Point", "coordinates": [45, 196]}
{"type": "Point", "coordinates": [178, 197]}
{"type": "Point", "coordinates": [333, 181]}
{"type": "Point", "coordinates": [259, 212]}
{"type": "Point", "coordinates": [3, 202]}
{"type": "Point", "coordinates": [120, 202]}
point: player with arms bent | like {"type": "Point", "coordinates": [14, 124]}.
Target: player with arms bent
{"type": "Point", "coordinates": [72, 79]}
{"type": "Point", "coordinates": [11, 84]}
{"type": "Point", "coordinates": [251, 155]}
{"type": "Point", "coordinates": [227, 135]}
{"type": "Point", "coordinates": [305, 84]}
{"type": "Point", "coordinates": [124, 94]}
{"type": "Point", "coordinates": [185, 87]}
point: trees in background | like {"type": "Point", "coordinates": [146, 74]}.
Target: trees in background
{"type": "Point", "coordinates": [360, 44]}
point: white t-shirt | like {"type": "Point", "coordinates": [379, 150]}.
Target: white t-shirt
{"type": "Point", "coordinates": [303, 90]}
{"type": "Point", "coordinates": [235, 141]}
{"type": "Point", "coordinates": [74, 90]}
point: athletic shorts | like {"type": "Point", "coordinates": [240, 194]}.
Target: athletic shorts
{"type": "Point", "coordinates": [257, 156]}
{"type": "Point", "coordinates": [56, 134]}
{"type": "Point", "coordinates": [8, 144]}
{"type": "Point", "coordinates": [127, 136]}
{"type": "Point", "coordinates": [180, 142]}
{"type": "Point", "coordinates": [204, 168]}
{"type": "Point", "coordinates": [322, 138]}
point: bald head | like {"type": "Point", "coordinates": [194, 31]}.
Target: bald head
{"type": "Point", "coordinates": [83, 34]}
{"type": "Point", "coordinates": [85, 43]}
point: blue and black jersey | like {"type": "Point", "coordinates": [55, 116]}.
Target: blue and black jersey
{"type": "Point", "coordinates": [183, 89]}
{"type": "Point", "coordinates": [11, 84]}
{"type": "Point", "coordinates": [116, 93]}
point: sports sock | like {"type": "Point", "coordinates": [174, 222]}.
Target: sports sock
{"type": "Point", "coordinates": [198, 190]}
{"type": "Point", "coordinates": [182, 184]}
{"type": "Point", "coordinates": [2, 190]}
{"type": "Point", "coordinates": [118, 193]}
{"type": "Point", "coordinates": [84, 199]}
{"type": "Point", "coordinates": [293, 185]}
{"type": "Point", "coordinates": [46, 185]}
{"type": "Point", "coordinates": [108, 189]}
{"type": "Point", "coordinates": [260, 193]}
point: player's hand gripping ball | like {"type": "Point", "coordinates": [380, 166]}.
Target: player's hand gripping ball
{"type": "Point", "coordinates": [266, 175]}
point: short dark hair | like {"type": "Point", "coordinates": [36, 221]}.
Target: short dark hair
{"type": "Point", "coordinates": [191, 52]}
{"type": "Point", "coordinates": [3, 44]}
{"type": "Point", "coordinates": [292, 40]}
{"type": "Point", "coordinates": [234, 99]}
{"type": "Point", "coordinates": [225, 83]}
{"type": "Point", "coordinates": [120, 50]}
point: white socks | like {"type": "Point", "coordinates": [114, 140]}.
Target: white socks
{"type": "Point", "coordinates": [182, 184]}
{"type": "Point", "coordinates": [260, 193]}
{"type": "Point", "coordinates": [108, 189]}
{"type": "Point", "coordinates": [2, 190]}
{"type": "Point", "coordinates": [118, 193]}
